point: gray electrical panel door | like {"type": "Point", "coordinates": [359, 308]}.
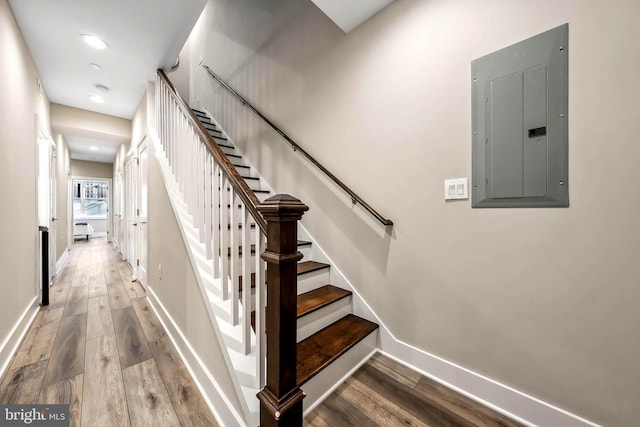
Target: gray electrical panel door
{"type": "Point", "coordinates": [520, 130]}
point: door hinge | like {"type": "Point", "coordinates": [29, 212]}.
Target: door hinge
{"type": "Point", "coordinates": [137, 263]}
{"type": "Point", "coordinates": [138, 212]}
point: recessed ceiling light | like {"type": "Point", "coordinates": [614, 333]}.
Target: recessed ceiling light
{"type": "Point", "coordinates": [102, 88]}
{"type": "Point", "coordinates": [93, 148]}
{"type": "Point", "coordinates": [94, 42]}
{"type": "Point", "coordinates": [97, 99]}
{"type": "Point", "coordinates": [95, 66]}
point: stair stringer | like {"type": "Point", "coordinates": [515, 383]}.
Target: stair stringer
{"type": "Point", "coordinates": [197, 255]}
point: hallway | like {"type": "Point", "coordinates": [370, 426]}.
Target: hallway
{"type": "Point", "coordinates": [99, 347]}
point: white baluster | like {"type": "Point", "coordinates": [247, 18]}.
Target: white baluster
{"type": "Point", "coordinates": [196, 178]}
{"type": "Point", "coordinates": [208, 213]}
{"type": "Point", "coordinates": [261, 303]}
{"type": "Point", "coordinates": [246, 272]}
{"type": "Point", "coordinates": [201, 189]}
{"type": "Point", "coordinates": [225, 229]}
{"type": "Point", "coordinates": [190, 145]}
{"type": "Point", "coordinates": [235, 259]}
{"type": "Point", "coordinates": [217, 226]}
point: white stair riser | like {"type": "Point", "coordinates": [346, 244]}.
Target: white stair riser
{"type": "Point", "coordinates": [310, 281]}
{"type": "Point", "coordinates": [336, 372]}
{"type": "Point", "coordinates": [313, 322]}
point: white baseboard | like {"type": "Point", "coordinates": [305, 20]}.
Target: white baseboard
{"type": "Point", "coordinates": [62, 260]}
{"type": "Point", "coordinates": [500, 397]}
{"type": "Point", "coordinates": [513, 403]}
{"type": "Point", "coordinates": [19, 330]}
{"type": "Point", "coordinates": [203, 378]}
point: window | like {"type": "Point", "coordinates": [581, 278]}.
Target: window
{"type": "Point", "coordinates": [90, 199]}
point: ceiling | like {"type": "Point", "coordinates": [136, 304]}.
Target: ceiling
{"type": "Point", "coordinates": [92, 149]}
{"type": "Point", "coordinates": [143, 35]}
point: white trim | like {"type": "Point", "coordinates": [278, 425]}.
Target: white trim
{"type": "Point", "coordinates": [513, 403]}
{"type": "Point", "coordinates": [11, 343]}
{"type": "Point", "coordinates": [211, 391]}
{"type": "Point", "coordinates": [109, 217]}
{"type": "Point", "coordinates": [62, 260]}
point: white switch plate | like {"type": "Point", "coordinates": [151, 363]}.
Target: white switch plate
{"type": "Point", "coordinates": [456, 189]}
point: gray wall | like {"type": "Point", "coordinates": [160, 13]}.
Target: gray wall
{"type": "Point", "coordinates": [543, 300]}
{"type": "Point", "coordinates": [19, 104]}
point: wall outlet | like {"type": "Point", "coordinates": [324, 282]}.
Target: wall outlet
{"type": "Point", "coordinates": [159, 271]}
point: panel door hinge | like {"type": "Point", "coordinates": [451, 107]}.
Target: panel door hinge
{"type": "Point", "coordinates": [137, 263]}
{"type": "Point", "coordinates": [138, 212]}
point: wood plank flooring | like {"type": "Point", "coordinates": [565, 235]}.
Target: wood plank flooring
{"type": "Point", "coordinates": [388, 394]}
{"type": "Point", "coordinates": [99, 347]}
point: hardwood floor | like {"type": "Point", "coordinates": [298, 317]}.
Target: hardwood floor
{"type": "Point", "coordinates": [387, 394]}
{"type": "Point", "coordinates": [99, 347]}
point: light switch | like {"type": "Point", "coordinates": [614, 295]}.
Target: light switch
{"type": "Point", "coordinates": [456, 189]}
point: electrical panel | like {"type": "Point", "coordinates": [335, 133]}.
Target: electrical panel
{"type": "Point", "coordinates": [520, 124]}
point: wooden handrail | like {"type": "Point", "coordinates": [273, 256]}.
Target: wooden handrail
{"type": "Point", "coordinates": [354, 197]}
{"type": "Point", "coordinates": [243, 190]}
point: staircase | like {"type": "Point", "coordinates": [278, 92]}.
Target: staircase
{"type": "Point", "coordinates": [330, 340]}
{"type": "Point", "coordinates": [326, 328]}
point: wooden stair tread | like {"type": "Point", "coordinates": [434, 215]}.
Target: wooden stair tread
{"type": "Point", "coordinates": [325, 346]}
{"type": "Point", "coordinates": [255, 191]}
{"type": "Point", "coordinates": [253, 248]}
{"type": "Point", "coordinates": [303, 267]}
{"type": "Point", "coordinates": [319, 298]}
{"type": "Point", "coordinates": [239, 226]}
{"type": "Point", "coordinates": [310, 266]}
{"type": "Point", "coordinates": [314, 300]}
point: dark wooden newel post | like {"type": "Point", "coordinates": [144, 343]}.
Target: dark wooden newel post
{"type": "Point", "coordinates": [281, 398]}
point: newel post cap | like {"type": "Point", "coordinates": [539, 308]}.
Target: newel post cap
{"type": "Point", "coordinates": [282, 205]}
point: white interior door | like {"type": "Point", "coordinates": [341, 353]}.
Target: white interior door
{"type": "Point", "coordinates": [130, 178]}
{"type": "Point", "coordinates": [120, 214]}
{"type": "Point", "coordinates": [143, 167]}
{"type": "Point", "coordinates": [45, 207]}
{"type": "Point", "coordinates": [53, 256]}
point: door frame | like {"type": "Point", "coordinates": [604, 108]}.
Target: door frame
{"type": "Point", "coordinates": [142, 270]}
{"type": "Point", "coordinates": [130, 171]}
{"type": "Point", "coordinates": [109, 202]}
{"type": "Point", "coordinates": [43, 136]}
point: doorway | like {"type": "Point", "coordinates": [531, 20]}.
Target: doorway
{"type": "Point", "coordinates": [130, 217]}
{"type": "Point", "coordinates": [142, 236]}
{"type": "Point", "coordinates": [46, 201]}
{"type": "Point", "coordinates": [135, 211]}
{"type": "Point", "coordinates": [90, 207]}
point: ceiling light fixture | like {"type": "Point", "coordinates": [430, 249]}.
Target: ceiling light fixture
{"type": "Point", "coordinates": [97, 99]}
{"type": "Point", "coordinates": [93, 148]}
{"type": "Point", "coordinates": [95, 66]}
{"type": "Point", "coordinates": [102, 88]}
{"type": "Point", "coordinates": [94, 42]}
